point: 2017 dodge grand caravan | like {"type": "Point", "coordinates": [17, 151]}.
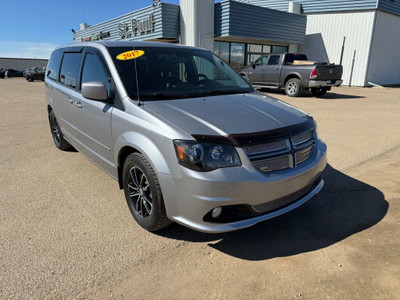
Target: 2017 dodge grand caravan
{"type": "Point", "coordinates": [186, 137]}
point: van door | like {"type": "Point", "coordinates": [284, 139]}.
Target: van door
{"type": "Point", "coordinates": [93, 118]}
{"type": "Point", "coordinates": [65, 92]}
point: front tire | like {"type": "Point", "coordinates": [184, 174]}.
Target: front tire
{"type": "Point", "coordinates": [143, 193]}
{"type": "Point", "coordinates": [58, 137]}
{"type": "Point", "coordinates": [293, 87]}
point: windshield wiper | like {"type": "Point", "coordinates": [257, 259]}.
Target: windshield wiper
{"type": "Point", "coordinates": [162, 96]}
{"type": "Point", "coordinates": [210, 93]}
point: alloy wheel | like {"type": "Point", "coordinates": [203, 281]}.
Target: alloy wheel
{"type": "Point", "coordinates": [55, 129]}
{"type": "Point", "coordinates": [139, 192]}
{"type": "Point", "coordinates": [292, 87]}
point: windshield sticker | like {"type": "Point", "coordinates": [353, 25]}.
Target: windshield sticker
{"type": "Point", "coordinates": [130, 54]}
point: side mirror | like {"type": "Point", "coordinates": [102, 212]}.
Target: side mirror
{"type": "Point", "coordinates": [94, 90]}
{"type": "Point", "coordinates": [253, 65]}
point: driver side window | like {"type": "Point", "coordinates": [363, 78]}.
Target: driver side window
{"type": "Point", "coordinates": [93, 71]}
{"type": "Point", "coordinates": [262, 61]}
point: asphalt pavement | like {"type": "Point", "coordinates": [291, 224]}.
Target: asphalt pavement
{"type": "Point", "coordinates": [67, 233]}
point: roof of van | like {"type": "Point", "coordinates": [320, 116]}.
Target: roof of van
{"type": "Point", "coordinates": [127, 44]}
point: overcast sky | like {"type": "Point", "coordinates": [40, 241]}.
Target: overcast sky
{"type": "Point", "coordinates": [32, 29]}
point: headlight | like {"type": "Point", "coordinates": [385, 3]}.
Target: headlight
{"type": "Point", "coordinates": [205, 157]}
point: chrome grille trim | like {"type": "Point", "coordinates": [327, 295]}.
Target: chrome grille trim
{"type": "Point", "coordinates": [302, 155]}
{"type": "Point", "coordinates": [302, 138]}
{"type": "Point", "coordinates": [267, 148]}
{"type": "Point", "coordinates": [282, 154]}
{"type": "Point", "coordinates": [274, 164]}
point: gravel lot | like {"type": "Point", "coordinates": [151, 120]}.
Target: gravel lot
{"type": "Point", "coordinates": [67, 233]}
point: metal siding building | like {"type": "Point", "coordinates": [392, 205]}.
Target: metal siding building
{"type": "Point", "coordinates": [241, 31]}
{"type": "Point", "coordinates": [21, 64]}
{"type": "Point", "coordinates": [165, 26]}
{"type": "Point", "coordinates": [324, 39]}
{"type": "Point", "coordinates": [252, 22]}
{"type": "Point", "coordinates": [384, 63]}
{"type": "Point", "coordinates": [371, 28]}
{"type": "Point", "coordinates": [238, 32]}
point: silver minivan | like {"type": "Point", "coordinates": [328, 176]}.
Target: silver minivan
{"type": "Point", "coordinates": [186, 137]}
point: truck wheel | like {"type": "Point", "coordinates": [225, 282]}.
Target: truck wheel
{"type": "Point", "coordinates": [318, 91]}
{"type": "Point", "coordinates": [58, 137]}
{"type": "Point", "coordinates": [143, 193]}
{"type": "Point", "coordinates": [293, 87]}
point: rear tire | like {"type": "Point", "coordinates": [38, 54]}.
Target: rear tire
{"type": "Point", "coordinates": [143, 193]}
{"type": "Point", "coordinates": [319, 91]}
{"type": "Point", "coordinates": [58, 137]}
{"type": "Point", "coordinates": [293, 87]}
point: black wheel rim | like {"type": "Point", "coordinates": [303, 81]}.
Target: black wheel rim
{"type": "Point", "coordinates": [139, 192]}
{"type": "Point", "coordinates": [55, 129]}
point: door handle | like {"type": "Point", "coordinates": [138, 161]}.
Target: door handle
{"type": "Point", "coordinates": [78, 104]}
{"type": "Point", "coordinates": [69, 99]}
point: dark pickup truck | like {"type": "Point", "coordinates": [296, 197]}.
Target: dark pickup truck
{"type": "Point", "coordinates": [294, 73]}
{"type": "Point", "coordinates": [35, 73]}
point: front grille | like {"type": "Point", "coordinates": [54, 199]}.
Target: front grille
{"type": "Point", "coordinates": [302, 155]}
{"type": "Point", "coordinates": [301, 138]}
{"type": "Point", "coordinates": [266, 148]}
{"type": "Point", "coordinates": [273, 164]}
{"type": "Point", "coordinates": [286, 200]}
{"type": "Point", "coordinates": [282, 154]}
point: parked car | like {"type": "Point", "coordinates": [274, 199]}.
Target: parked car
{"type": "Point", "coordinates": [186, 137]}
{"type": "Point", "coordinates": [35, 73]}
{"type": "Point", "coordinates": [294, 73]}
{"type": "Point", "coordinates": [13, 73]}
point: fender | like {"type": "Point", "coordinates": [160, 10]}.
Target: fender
{"type": "Point", "coordinates": [145, 146]}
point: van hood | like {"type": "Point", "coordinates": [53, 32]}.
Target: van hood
{"type": "Point", "coordinates": [231, 115]}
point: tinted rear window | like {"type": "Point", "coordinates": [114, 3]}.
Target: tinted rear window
{"type": "Point", "coordinates": [70, 69]}
{"type": "Point", "coordinates": [54, 65]}
{"type": "Point", "coordinates": [289, 58]}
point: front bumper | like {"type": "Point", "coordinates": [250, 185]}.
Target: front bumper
{"type": "Point", "coordinates": [191, 196]}
{"type": "Point", "coordinates": [324, 83]}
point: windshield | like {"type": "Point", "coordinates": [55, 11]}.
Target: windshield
{"type": "Point", "coordinates": [170, 73]}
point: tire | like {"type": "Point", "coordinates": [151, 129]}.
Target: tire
{"type": "Point", "coordinates": [143, 193]}
{"type": "Point", "coordinates": [56, 133]}
{"type": "Point", "coordinates": [318, 91]}
{"type": "Point", "coordinates": [293, 87]}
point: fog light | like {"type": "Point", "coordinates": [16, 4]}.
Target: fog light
{"type": "Point", "coordinates": [216, 212]}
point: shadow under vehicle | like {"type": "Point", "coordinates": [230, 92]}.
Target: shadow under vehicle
{"type": "Point", "coordinates": [344, 207]}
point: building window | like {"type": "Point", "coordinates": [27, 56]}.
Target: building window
{"type": "Point", "coordinates": [279, 49]}
{"type": "Point", "coordinates": [254, 52]}
{"type": "Point", "coordinates": [222, 50]}
{"type": "Point", "coordinates": [237, 55]}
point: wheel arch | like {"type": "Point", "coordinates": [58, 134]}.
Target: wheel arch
{"type": "Point", "coordinates": [158, 159]}
{"type": "Point", "coordinates": [122, 155]}
{"type": "Point", "coordinates": [290, 76]}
